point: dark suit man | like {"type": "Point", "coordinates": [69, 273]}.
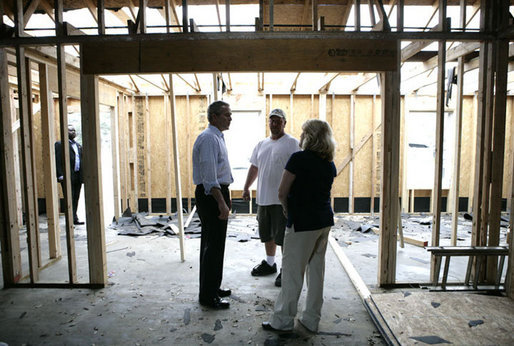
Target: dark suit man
{"type": "Point", "coordinates": [75, 169]}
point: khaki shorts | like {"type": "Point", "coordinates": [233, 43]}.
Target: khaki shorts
{"type": "Point", "coordinates": [272, 223]}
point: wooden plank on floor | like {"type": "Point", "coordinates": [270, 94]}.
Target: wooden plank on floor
{"type": "Point", "coordinates": [95, 226]}
{"type": "Point", "coordinates": [50, 181]}
{"type": "Point", "coordinates": [9, 226]}
{"type": "Point", "coordinates": [423, 314]}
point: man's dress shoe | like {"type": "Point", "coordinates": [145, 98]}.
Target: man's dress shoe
{"type": "Point", "coordinates": [267, 326]}
{"type": "Point", "coordinates": [215, 303]}
{"type": "Point", "coordinates": [224, 293]}
{"type": "Point", "coordinates": [77, 222]}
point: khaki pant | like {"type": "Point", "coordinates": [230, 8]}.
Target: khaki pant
{"type": "Point", "coordinates": [304, 253]}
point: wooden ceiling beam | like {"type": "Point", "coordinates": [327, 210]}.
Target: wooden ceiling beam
{"type": "Point", "coordinates": [121, 15]}
{"type": "Point", "coordinates": [170, 8]}
{"type": "Point", "coordinates": [293, 86]}
{"type": "Point", "coordinates": [134, 84]}
{"type": "Point", "coordinates": [305, 13]}
{"type": "Point", "coordinates": [326, 86]}
{"type": "Point", "coordinates": [151, 83]}
{"type": "Point", "coordinates": [365, 78]}
{"type": "Point", "coordinates": [29, 10]}
{"type": "Point", "coordinates": [132, 9]}
{"type": "Point", "coordinates": [91, 6]}
{"type": "Point", "coordinates": [48, 9]}
{"type": "Point", "coordinates": [451, 54]}
{"type": "Point", "coordinates": [346, 14]}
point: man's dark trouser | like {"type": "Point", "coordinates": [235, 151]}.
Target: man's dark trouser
{"type": "Point", "coordinates": [212, 246]}
{"type": "Point", "coordinates": [76, 186]}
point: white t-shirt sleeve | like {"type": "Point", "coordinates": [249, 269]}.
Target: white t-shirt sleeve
{"type": "Point", "coordinates": [253, 158]}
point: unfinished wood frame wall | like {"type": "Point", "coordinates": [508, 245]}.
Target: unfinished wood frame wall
{"type": "Point", "coordinates": [154, 49]}
{"type": "Point", "coordinates": [191, 111]}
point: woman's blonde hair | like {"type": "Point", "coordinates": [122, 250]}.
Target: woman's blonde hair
{"type": "Point", "coordinates": [317, 137]}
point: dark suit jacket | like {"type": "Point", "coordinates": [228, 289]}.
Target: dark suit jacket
{"type": "Point", "coordinates": [59, 164]}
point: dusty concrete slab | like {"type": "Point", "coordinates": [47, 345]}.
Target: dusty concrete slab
{"type": "Point", "coordinates": [152, 299]}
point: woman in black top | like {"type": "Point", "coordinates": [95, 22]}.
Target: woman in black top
{"type": "Point", "coordinates": [305, 196]}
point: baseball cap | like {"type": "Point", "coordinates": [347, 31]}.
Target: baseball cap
{"type": "Point", "coordinates": [277, 112]}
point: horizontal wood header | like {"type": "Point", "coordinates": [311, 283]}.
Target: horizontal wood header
{"type": "Point", "coordinates": [239, 55]}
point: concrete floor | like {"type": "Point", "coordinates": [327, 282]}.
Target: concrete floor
{"type": "Point", "coordinates": [412, 262]}
{"type": "Point", "coordinates": [152, 299]}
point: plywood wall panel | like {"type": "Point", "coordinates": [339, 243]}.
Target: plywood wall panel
{"type": "Point", "coordinates": [363, 159]}
{"type": "Point", "coordinates": [159, 149]}
{"type": "Point", "coordinates": [467, 146]}
{"type": "Point", "coordinates": [341, 129]}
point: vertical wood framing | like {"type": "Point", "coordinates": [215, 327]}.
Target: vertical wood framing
{"type": "Point", "coordinates": [63, 119]}
{"type": "Point", "coordinates": [357, 13]}
{"type": "Point", "coordinates": [32, 136]}
{"type": "Point", "coordinates": [28, 190]}
{"type": "Point", "coordinates": [148, 152]}
{"type": "Point", "coordinates": [17, 171]}
{"type": "Point", "coordinates": [390, 96]}
{"type": "Point", "coordinates": [92, 172]}
{"type": "Point", "coordinates": [471, 187]}
{"type": "Point", "coordinates": [498, 151]}
{"type": "Point", "coordinates": [488, 136]}
{"type": "Point", "coordinates": [134, 195]}
{"type": "Point", "coordinates": [509, 278]}
{"type": "Point", "coordinates": [122, 151]}
{"type": "Point", "coordinates": [214, 86]}
{"type": "Point", "coordinates": [177, 169]}
{"type": "Point", "coordinates": [404, 156]}
{"type": "Point", "coordinates": [189, 170]}
{"type": "Point", "coordinates": [142, 16]}
{"type": "Point", "coordinates": [50, 182]}
{"type": "Point", "coordinates": [390, 157]}
{"type": "Point", "coordinates": [168, 157]}
{"type": "Point", "coordinates": [227, 15]}
{"type": "Point", "coordinates": [185, 19]}
{"type": "Point", "coordinates": [485, 70]}
{"type": "Point", "coordinates": [332, 119]}
{"type": "Point", "coordinates": [315, 26]}
{"type": "Point", "coordinates": [9, 226]}
{"type": "Point", "coordinates": [399, 14]}
{"type": "Point", "coordinates": [271, 17]}
{"type": "Point", "coordinates": [322, 107]}
{"type": "Point", "coordinates": [372, 13]}
{"type": "Point", "coordinates": [439, 139]}
{"type": "Point", "coordinates": [115, 162]}
{"type": "Point", "coordinates": [100, 6]}
{"type": "Point", "coordinates": [352, 144]}
{"type": "Point", "coordinates": [454, 200]}
{"type": "Point", "coordinates": [373, 157]}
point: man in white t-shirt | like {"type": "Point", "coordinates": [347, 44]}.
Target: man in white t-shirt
{"type": "Point", "coordinates": [267, 164]}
